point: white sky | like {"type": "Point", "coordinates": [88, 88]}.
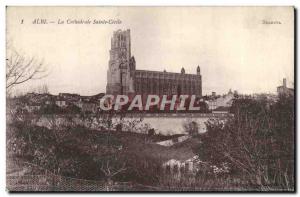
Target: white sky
{"type": "Point", "coordinates": [230, 44]}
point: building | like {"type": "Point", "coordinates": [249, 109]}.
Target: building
{"type": "Point", "coordinates": [69, 97]}
{"type": "Point", "coordinates": [61, 103]}
{"type": "Point", "coordinates": [213, 94]}
{"type": "Point", "coordinates": [222, 103]}
{"type": "Point", "coordinates": [33, 107]}
{"type": "Point", "coordinates": [182, 166]}
{"type": "Point", "coordinates": [284, 90]}
{"type": "Point", "coordinates": [124, 78]}
{"type": "Point", "coordinates": [86, 106]}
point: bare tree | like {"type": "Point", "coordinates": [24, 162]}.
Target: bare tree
{"type": "Point", "coordinates": [20, 69]}
{"type": "Point", "coordinates": [258, 142]}
{"type": "Point", "coordinates": [112, 167]}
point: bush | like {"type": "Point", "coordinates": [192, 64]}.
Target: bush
{"type": "Point", "coordinates": [258, 142]}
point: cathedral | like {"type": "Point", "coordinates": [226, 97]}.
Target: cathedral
{"type": "Point", "coordinates": [123, 77]}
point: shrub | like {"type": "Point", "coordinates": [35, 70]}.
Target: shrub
{"type": "Point", "coordinates": [258, 142]}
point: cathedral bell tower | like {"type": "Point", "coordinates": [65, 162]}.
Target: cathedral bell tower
{"type": "Point", "coordinates": [121, 65]}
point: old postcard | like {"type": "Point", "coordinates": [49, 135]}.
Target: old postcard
{"type": "Point", "coordinates": [150, 99]}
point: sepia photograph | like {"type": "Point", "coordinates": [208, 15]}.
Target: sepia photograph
{"type": "Point", "coordinates": [150, 99]}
